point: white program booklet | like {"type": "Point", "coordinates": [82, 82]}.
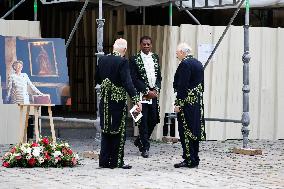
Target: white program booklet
{"type": "Point", "coordinates": [145, 100]}
{"type": "Point", "coordinates": [135, 115]}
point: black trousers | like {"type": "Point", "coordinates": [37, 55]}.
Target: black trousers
{"type": "Point", "coordinates": [148, 123]}
{"type": "Point", "coordinates": [190, 147]}
{"type": "Point", "coordinates": [112, 150]}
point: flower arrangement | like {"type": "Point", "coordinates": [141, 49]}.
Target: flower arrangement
{"type": "Point", "coordinates": [45, 153]}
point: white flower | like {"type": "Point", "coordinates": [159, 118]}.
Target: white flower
{"type": "Point", "coordinates": [67, 145]}
{"type": "Point", "coordinates": [56, 154]}
{"type": "Point", "coordinates": [29, 156]}
{"type": "Point", "coordinates": [76, 156]}
{"type": "Point", "coordinates": [8, 153]}
{"type": "Point", "coordinates": [36, 151]}
{"type": "Point", "coordinates": [26, 150]}
{"type": "Point", "coordinates": [18, 154]}
{"type": "Point", "coordinates": [23, 148]}
{"type": "Point", "coordinates": [12, 157]}
{"type": "Point", "coordinates": [40, 160]}
{"type": "Point", "coordinates": [53, 146]}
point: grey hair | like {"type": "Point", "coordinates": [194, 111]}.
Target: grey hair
{"type": "Point", "coordinates": [184, 47]}
{"type": "Point", "coordinates": [17, 62]}
{"type": "Point", "coordinates": [120, 44]}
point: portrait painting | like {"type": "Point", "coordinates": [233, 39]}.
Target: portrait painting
{"type": "Point", "coordinates": [42, 59]}
{"type": "Point", "coordinates": [33, 71]}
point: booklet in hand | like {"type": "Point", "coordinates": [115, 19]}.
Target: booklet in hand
{"type": "Point", "coordinates": [135, 115]}
{"type": "Point", "coordinates": [144, 100]}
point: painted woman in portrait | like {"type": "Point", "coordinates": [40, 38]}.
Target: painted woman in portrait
{"type": "Point", "coordinates": [18, 85]}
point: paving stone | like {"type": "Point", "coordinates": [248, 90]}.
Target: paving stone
{"type": "Point", "coordinates": [219, 168]}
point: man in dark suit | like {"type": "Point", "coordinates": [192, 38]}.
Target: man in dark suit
{"type": "Point", "coordinates": [189, 86]}
{"type": "Point", "coordinates": [146, 77]}
{"type": "Point", "coordinates": [113, 75]}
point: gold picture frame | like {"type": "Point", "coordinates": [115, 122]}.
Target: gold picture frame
{"type": "Point", "coordinates": [42, 59]}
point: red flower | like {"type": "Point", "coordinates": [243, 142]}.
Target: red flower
{"type": "Point", "coordinates": [18, 157]}
{"type": "Point", "coordinates": [45, 141]}
{"type": "Point", "coordinates": [35, 144]}
{"type": "Point", "coordinates": [47, 156]}
{"type": "Point", "coordinates": [13, 150]}
{"type": "Point", "coordinates": [74, 161]}
{"type": "Point", "coordinates": [70, 152]}
{"type": "Point", "coordinates": [6, 164]}
{"type": "Point", "coordinates": [64, 151]}
{"type": "Point", "coordinates": [32, 162]}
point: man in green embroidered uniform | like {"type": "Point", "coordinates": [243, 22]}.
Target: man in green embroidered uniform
{"type": "Point", "coordinates": [189, 84]}
{"type": "Point", "coordinates": [113, 75]}
{"type": "Point", "coordinates": [146, 77]}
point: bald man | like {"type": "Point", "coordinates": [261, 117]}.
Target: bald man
{"type": "Point", "coordinates": [189, 85]}
{"type": "Point", "coordinates": [113, 75]}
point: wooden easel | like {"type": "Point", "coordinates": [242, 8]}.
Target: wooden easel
{"type": "Point", "coordinates": [23, 130]}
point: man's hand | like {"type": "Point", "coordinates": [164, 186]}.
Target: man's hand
{"type": "Point", "coordinates": [151, 94]}
{"type": "Point", "coordinates": [177, 109]}
{"type": "Point", "coordinates": [139, 107]}
{"type": "Point", "coordinates": [155, 91]}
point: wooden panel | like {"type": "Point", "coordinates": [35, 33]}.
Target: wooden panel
{"type": "Point", "coordinates": [9, 124]}
{"type": "Point", "coordinates": [233, 96]}
{"type": "Point", "coordinates": [22, 28]}
{"type": "Point", "coordinates": [169, 65]}
{"type": "Point", "coordinates": [279, 87]}
{"type": "Point", "coordinates": [255, 80]}
{"type": "Point", "coordinates": [266, 115]}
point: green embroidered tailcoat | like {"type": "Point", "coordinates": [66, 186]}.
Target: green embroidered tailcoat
{"type": "Point", "coordinates": [113, 75]}
{"type": "Point", "coordinates": [140, 80]}
{"type": "Point", "coordinates": [189, 86]}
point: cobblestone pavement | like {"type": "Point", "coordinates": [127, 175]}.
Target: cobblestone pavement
{"type": "Point", "coordinates": [219, 168]}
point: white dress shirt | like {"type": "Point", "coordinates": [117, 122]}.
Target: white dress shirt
{"type": "Point", "coordinates": [150, 68]}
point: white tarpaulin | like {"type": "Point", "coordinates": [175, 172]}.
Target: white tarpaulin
{"type": "Point", "coordinates": [198, 3]}
{"type": "Point", "coordinates": [201, 3]}
{"type": "Point", "coordinates": [253, 3]}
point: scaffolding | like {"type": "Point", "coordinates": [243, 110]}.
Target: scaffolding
{"type": "Point", "coordinates": [245, 120]}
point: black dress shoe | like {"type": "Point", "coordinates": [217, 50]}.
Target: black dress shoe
{"type": "Point", "coordinates": [138, 144]}
{"type": "Point", "coordinates": [181, 164]}
{"type": "Point", "coordinates": [104, 166]}
{"type": "Point", "coordinates": [145, 154]}
{"type": "Point", "coordinates": [126, 167]}
{"type": "Point", "coordinates": [193, 166]}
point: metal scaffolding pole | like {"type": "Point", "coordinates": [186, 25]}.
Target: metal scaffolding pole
{"type": "Point", "coordinates": [76, 23]}
{"type": "Point", "coordinates": [144, 15]}
{"type": "Point", "coordinates": [193, 17]}
{"type": "Point", "coordinates": [13, 8]}
{"type": "Point", "coordinates": [35, 10]}
{"type": "Point", "coordinates": [171, 14]}
{"type": "Point", "coordinates": [189, 13]}
{"type": "Point", "coordinates": [100, 39]}
{"type": "Point", "coordinates": [224, 33]}
{"type": "Point", "coordinates": [246, 88]}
